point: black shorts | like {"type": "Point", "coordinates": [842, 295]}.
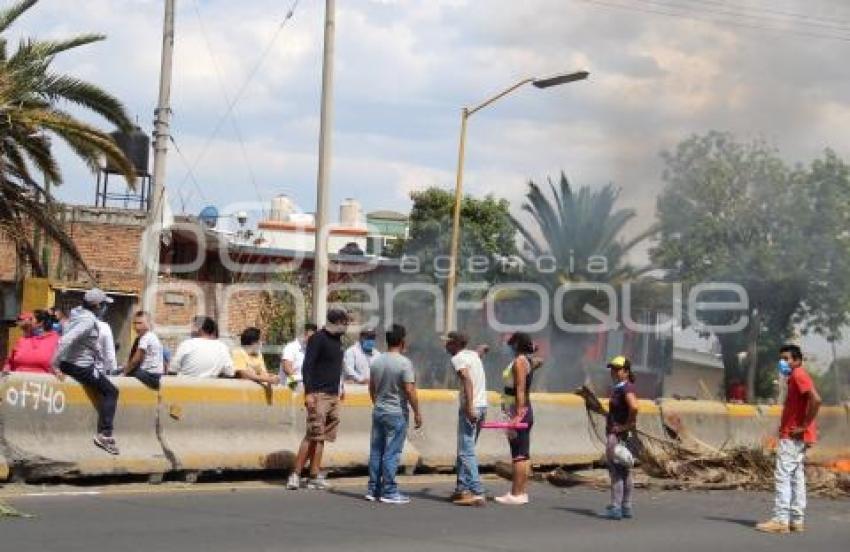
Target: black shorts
{"type": "Point", "coordinates": [520, 440]}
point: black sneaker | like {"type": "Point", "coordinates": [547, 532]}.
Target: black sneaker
{"type": "Point", "coordinates": [107, 444]}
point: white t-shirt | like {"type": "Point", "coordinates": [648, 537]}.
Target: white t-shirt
{"type": "Point", "coordinates": [200, 357]}
{"type": "Point", "coordinates": [294, 353]}
{"type": "Point", "coordinates": [152, 361]}
{"type": "Point", "coordinates": [106, 362]}
{"type": "Point", "coordinates": [357, 363]}
{"type": "Point", "coordinates": [472, 362]}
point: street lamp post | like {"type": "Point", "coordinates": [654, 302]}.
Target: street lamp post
{"type": "Point", "coordinates": [466, 112]}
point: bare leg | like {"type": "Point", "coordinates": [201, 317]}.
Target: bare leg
{"type": "Point", "coordinates": [316, 460]}
{"type": "Point", "coordinates": [304, 451]}
{"type": "Point", "coordinates": [519, 485]}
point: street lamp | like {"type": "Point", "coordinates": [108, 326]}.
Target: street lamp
{"type": "Point", "coordinates": [542, 82]}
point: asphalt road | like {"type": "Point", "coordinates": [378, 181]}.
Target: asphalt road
{"type": "Point", "coordinates": [256, 517]}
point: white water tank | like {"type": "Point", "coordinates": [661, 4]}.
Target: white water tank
{"type": "Point", "coordinates": [350, 214]}
{"type": "Point", "coordinates": [282, 208]}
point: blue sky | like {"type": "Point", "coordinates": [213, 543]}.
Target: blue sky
{"type": "Point", "coordinates": [660, 71]}
{"type": "Point", "coordinates": [405, 67]}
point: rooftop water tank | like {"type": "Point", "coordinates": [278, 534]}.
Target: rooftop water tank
{"type": "Point", "coordinates": [282, 208]}
{"type": "Point", "coordinates": [136, 145]}
{"type": "Point", "coordinates": [350, 214]}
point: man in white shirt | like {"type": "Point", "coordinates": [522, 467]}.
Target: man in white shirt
{"type": "Point", "coordinates": [146, 362]}
{"type": "Point", "coordinates": [106, 362]}
{"type": "Point", "coordinates": [293, 357]}
{"type": "Point", "coordinates": [358, 358]}
{"type": "Point", "coordinates": [203, 356]}
{"type": "Point", "coordinates": [473, 409]}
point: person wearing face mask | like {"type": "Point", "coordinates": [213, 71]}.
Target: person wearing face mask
{"type": "Point", "coordinates": [323, 391]}
{"type": "Point", "coordinates": [292, 358]}
{"type": "Point", "coordinates": [359, 357]}
{"type": "Point", "coordinates": [77, 356]}
{"type": "Point", "coordinates": [797, 432]}
{"type": "Point", "coordinates": [248, 359]}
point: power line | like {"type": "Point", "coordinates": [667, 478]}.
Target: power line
{"type": "Point", "coordinates": [190, 172]}
{"type": "Point", "coordinates": [707, 6]}
{"type": "Point", "coordinates": [694, 17]}
{"type": "Point", "coordinates": [841, 23]}
{"type": "Point", "coordinates": [242, 88]}
{"type": "Point", "coordinates": [233, 119]}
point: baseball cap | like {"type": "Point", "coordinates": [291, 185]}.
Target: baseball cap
{"type": "Point", "coordinates": [618, 362]}
{"type": "Point", "coordinates": [96, 296]}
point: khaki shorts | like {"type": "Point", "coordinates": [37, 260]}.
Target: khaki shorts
{"type": "Point", "coordinates": [323, 420]}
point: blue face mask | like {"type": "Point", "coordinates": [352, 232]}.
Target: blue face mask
{"type": "Point", "coordinates": [784, 368]}
{"type": "Point", "coordinates": [57, 327]}
{"type": "Point", "coordinates": [368, 345]}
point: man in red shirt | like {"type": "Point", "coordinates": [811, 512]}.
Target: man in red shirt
{"type": "Point", "coordinates": [797, 432]}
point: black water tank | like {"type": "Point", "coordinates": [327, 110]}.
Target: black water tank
{"type": "Point", "coordinates": [136, 145]}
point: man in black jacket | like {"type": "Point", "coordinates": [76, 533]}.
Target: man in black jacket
{"type": "Point", "coordinates": [322, 372]}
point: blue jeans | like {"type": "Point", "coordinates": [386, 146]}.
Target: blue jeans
{"type": "Point", "coordinates": [389, 430]}
{"type": "Point", "coordinates": [467, 463]}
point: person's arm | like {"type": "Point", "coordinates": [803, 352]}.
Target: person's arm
{"type": "Point", "coordinates": [467, 390]}
{"type": "Point", "coordinates": [177, 359]}
{"type": "Point", "coordinates": [372, 391]}
{"type": "Point", "coordinates": [349, 364]}
{"type": "Point", "coordinates": [413, 400]}
{"type": "Point", "coordinates": [287, 365]}
{"type": "Point", "coordinates": [521, 369]}
{"type": "Point", "coordinates": [74, 334]}
{"type": "Point", "coordinates": [135, 361]}
{"type": "Point", "coordinates": [109, 360]}
{"type": "Point", "coordinates": [311, 355]}
{"type": "Point", "coordinates": [813, 404]}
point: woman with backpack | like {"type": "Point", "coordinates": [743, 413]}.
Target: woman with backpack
{"type": "Point", "coordinates": [621, 421]}
{"type": "Point", "coordinates": [516, 404]}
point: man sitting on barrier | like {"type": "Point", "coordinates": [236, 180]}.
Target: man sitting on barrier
{"type": "Point", "coordinates": [203, 356]}
{"type": "Point", "coordinates": [146, 363]}
{"type": "Point", "coordinates": [323, 390]}
{"type": "Point", "coordinates": [77, 355]}
{"type": "Point", "coordinates": [797, 432]}
{"type": "Point", "coordinates": [248, 359]}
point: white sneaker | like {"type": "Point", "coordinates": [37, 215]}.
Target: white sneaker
{"type": "Point", "coordinates": [511, 500]}
{"type": "Point", "coordinates": [319, 484]}
{"type": "Point", "coordinates": [294, 482]}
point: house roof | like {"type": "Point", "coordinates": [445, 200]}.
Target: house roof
{"type": "Point", "coordinates": [387, 215]}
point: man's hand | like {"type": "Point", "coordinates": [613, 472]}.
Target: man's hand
{"type": "Point", "coordinates": [471, 415]}
{"type": "Point", "coordinates": [310, 401]}
{"type": "Point", "coordinates": [417, 420]}
{"type": "Point", "coordinates": [519, 416]}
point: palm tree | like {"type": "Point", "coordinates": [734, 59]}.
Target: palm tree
{"type": "Point", "coordinates": [580, 234]}
{"type": "Point", "coordinates": [579, 230]}
{"type": "Point", "coordinates": [31, 115]}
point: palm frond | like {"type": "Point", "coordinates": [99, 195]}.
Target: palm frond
{"type": "Point", "coordinates": [13, 12]}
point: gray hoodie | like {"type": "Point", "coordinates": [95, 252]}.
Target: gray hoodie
{"type": "Point", "coordinates": [78, 344]}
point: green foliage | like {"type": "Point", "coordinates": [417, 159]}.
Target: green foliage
{"type": "Point", "coordinates": [486, 230]}
{"type": "Point", "coordinates": [735, 212]}
{"type": "Point", "coordinates": [30, 100]}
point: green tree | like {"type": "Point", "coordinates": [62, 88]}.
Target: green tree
{"type": "Point", "coordinates": [32, 98]}
{"type": "Point", "coordinates": [735, 212]}
{"type": "Point", "coordinates": [486, 230]}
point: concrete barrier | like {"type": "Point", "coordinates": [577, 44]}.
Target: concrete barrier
{"type": "Point", "coordinates": [752, 426]}
{"type": "Point", "coordinates": [697, 423]}
{"type": "Point", "coordinates": [47, 426]}
{"type": "Point", "coordinates": [351, 449]}
{"type": "Point", "coordinates": [209, 424]}
{"type": "Point", "coordinates": [833, 436]}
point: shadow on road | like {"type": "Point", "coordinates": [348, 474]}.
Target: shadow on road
{"type": "Point", "coordinates": [587, 512]}
{"type": "Point", "coordinates": [749, 523]}
{"type": "Point", "coordinates": [424, 494]}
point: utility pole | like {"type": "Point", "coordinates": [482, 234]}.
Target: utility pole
{"type": "Point", "coordinates": [162, 118]}
{"type": "Point", "coordinates": [320, 262]}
